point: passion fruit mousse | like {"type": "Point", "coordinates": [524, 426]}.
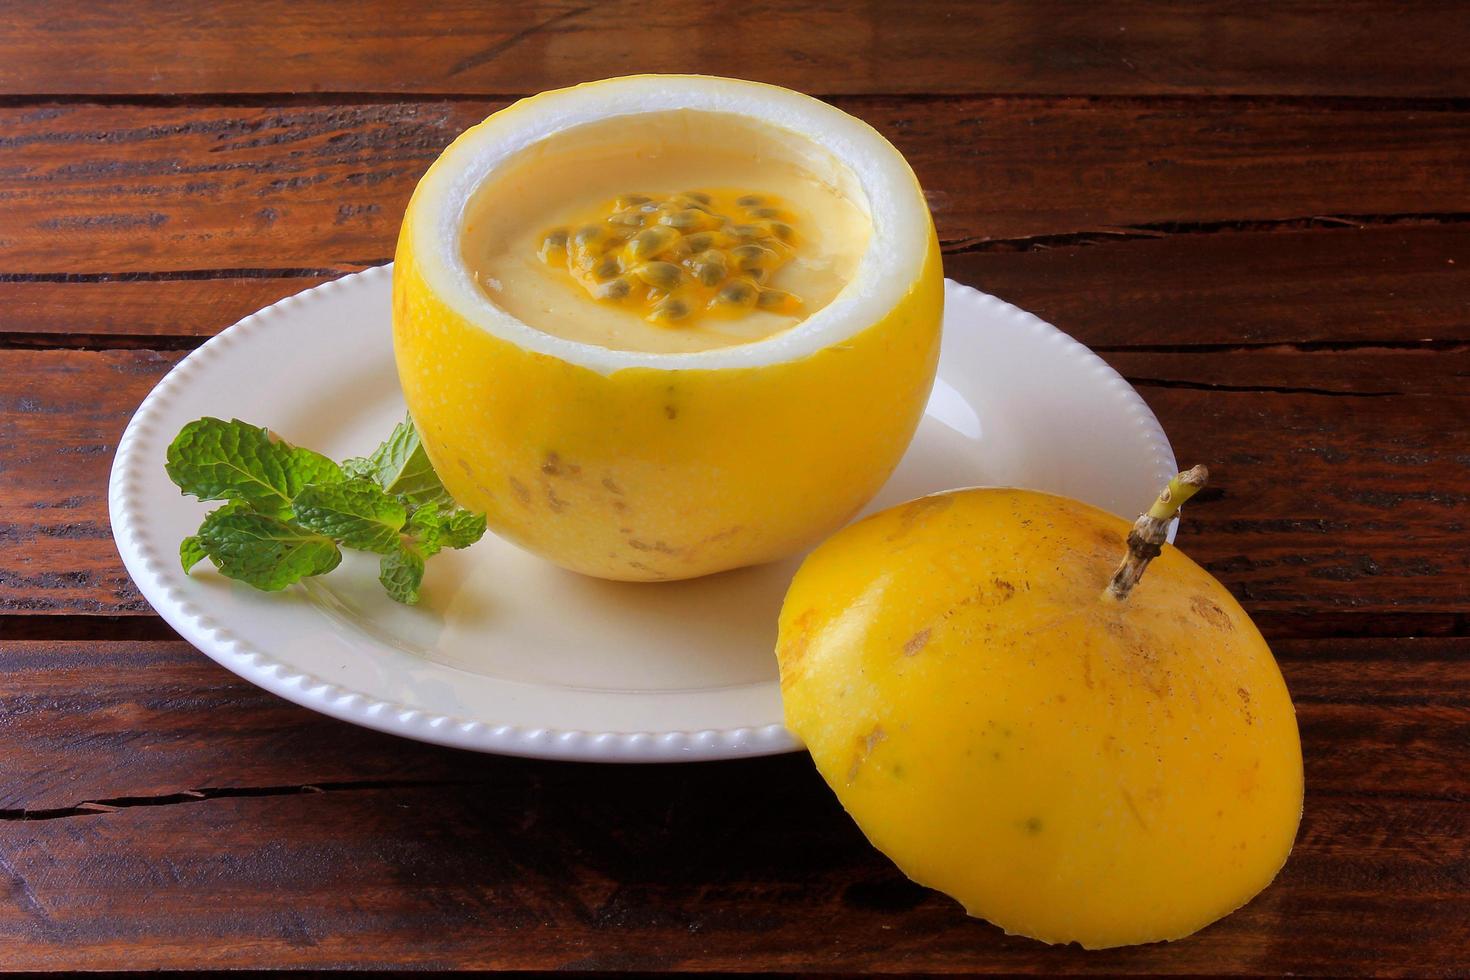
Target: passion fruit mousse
{"type": "Point", "coordinates": [656, 327]}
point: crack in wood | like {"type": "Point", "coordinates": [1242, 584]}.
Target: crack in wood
{"type": "Point", "coordinates": [489, 54]}
{"type": "Point", "coordinates": [92, 808]}
{"type": "Point", "coordinates": [1256, 389]}
{"type": "Point", "coordinates": [1291, 346]}
{"type": "Point", "coordinates": [189, 275]}
{"type": "Point", "coordinates": [1164, 229]}
{"type": "Point", "coordinates": [369, 96]}
{"type": "Point", "coordinates": [63, 627]}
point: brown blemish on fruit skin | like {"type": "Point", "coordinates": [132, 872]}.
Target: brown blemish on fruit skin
{"type": "Point", "coordinates": [917, 642]}
{"type": "Point", "coordinates": [670, 412]}
{"type": "Point", "coordinates": [658, 546]}
{"type": "Point", "coordinates": [1245, 704]}
{"type": "Point", "coordinates": [553, 465]}
{"type": "Point", "coordinates": [721, 535]}
{"type": "Point", "coordinates": [652, 572]}
{"type": "Point", "coordinates": [912, 513]}
{"type": "Point", "coordinates": [556, 504]}
{"type": "Point", "coordinates": [610, 486]}
{"type": "Point", "coordinates": [865, 746]}
{"type": "Point", "coordinates": [522, 494]}
{"type": "Point", "coordinates": [1133, 807]}
{"type": "Point", "coordinates": [792, 651]}
{"type": "Point", "coordinates": [1206, 609]}
{"type": "Point", "coordinates": [1006, 589]}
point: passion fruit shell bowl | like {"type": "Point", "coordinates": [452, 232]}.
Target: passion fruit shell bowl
{"type": "Point", "coordinates": [651, 466]}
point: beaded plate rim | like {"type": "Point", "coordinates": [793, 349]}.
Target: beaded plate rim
{"type": "Point", "coordinates": [150, 564]}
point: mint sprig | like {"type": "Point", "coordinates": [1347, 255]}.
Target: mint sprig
{"type": "Point", "coordinates": [289, 511]}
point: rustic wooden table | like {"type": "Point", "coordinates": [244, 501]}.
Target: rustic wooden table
{"type": "Point", "coordinates": [1260, 214]}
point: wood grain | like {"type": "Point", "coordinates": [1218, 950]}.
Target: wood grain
{"type": "Point", "coordinates": [90, 721]}
{"type": "Point", "coordinates": [1386, 284]}
{"type": "Point", "coordinates": [690, 868]}
{"type": "Point", "coordinates": [1353, 47]}
{"type": "Point", "coordinates": [110, 190]}
{"type": "Point", "coordinates": [1259, 213]}
{"type": "Point", "coordinates": [1389, 538]}
{"type": "Point", "coordinates": [61, 414]}
{"type": "Point", "coordinates": [1336, 287]}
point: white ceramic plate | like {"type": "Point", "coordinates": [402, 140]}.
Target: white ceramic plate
{"type": "Point", "coordinates": [508, 653]}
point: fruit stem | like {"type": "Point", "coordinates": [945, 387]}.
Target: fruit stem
{"type": "Point", "coordinates": [1146, 539]}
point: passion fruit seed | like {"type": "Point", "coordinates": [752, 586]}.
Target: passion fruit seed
{"type": "Point", "coordinates": [710, 267]}
{"type": "Point", "coordinates": [553, 246]}
{"type": "Point", "coordinates": [741, 292]}
{"type": "Point", "coordinates": [628, 219]}
{"type": "Point", "coordinates": [700, 241]}
{"type": "Point", "coordinates": [777, 299]}
{"type": "Point", "coordinates": [750, 256]}
{"type": "Point", "coordinates": [690, 219]}
{"type": "Point", "coordinates": [660, 275]}
{"type": "Point", "coordinates": [651, 242]}
{"type": "Point", "coordinates": [617, 289]}
{"type": "Point", "coordinates": [670, 308]}
{"type": "Point", "coordinates": [637, 244]}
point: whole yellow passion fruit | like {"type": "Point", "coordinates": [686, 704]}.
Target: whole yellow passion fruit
{"type": "Point", "coordinates": [661, 326]}
{"type": "Point", "coordinates": [1073, 752]}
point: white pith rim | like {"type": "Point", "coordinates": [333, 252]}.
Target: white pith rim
{"type": "Point", "coordinates": [888, 269]}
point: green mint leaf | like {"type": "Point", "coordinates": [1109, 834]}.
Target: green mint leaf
{"type": "Point", "coordinates": [400, 466]}
{"type": "Point", "coordinates": [426, 526]}
{"type": "Point", "coordinates": [264, 551]}
{"type": "Point", "coordinates": [216, 460]}
{"type": "Point", "coordinates": [402, 572]}
{"type": "Point", "coordinates": [356, 512]}
{"type": "Point", "coordinates": [439, 526]}
{"type": "Point", "coordinates": [463, 528]}
{"type": "Point", "coordinates": [191, 552]}
{"type": "Point", "coordinates": [359, 467]}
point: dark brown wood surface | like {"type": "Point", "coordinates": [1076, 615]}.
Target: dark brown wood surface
{"type": "Point", "coordinates": [1259, 213]}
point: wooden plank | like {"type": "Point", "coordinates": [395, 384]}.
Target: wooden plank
{"type": "Point", "coordinates": [61, 415]}
{"type": "Point", "coordinates": [129, 312]}
{"type": "Point", "coordinates": [1368, 372]}
{"type": "Point", "coordinates": [1354, 47]}
{"type": "Point", "coordinates": [1393, 284]}
{"type": "Point", "coordinates": [92, 721]}
{"type": "Point", "coordinates": [87, 722]}
{"type": "Point", "coordinates": [1371, 520]}
{"type": "Point", "coordinates": [1377, 284]}
{"type": "Point", "coordinates": [108, 190]}
{"type": "Point", "coordinates": [542, 866]}
{"type": "Point", "coordinates": [753, 869]}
